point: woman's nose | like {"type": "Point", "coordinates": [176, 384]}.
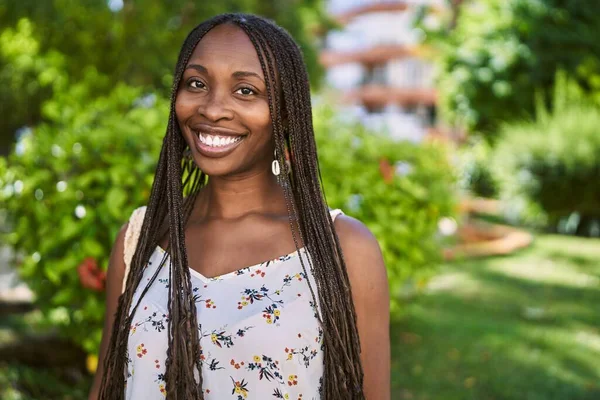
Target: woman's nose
{"type": "Point", "coordinates": [216, 107]}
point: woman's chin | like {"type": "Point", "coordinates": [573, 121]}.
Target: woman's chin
{"type": "Point", "coordinates": [216, 167]}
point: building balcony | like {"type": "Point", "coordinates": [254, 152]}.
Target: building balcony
{"type": "Point", "coordinates": [374, 56]}
{"type": "Point", "coordinates": [377, 96]}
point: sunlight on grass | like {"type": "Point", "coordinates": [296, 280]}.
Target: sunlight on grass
{"type": "Point", "coordinates": [548, 271]}
{"type": "Point", "coordinates": [451, 281]}
{"type": "Point", "coordinates": [589, 339]}
{"type": "Point", "coordinates": [526, 326]}
{"type": "Point", "coordinates": [555, 351]}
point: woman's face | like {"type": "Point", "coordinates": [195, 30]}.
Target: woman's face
{"type": "Point", "coordinates": [222, 105]}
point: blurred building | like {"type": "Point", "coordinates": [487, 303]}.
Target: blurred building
{"type": "Point", "coordinates": [378, 62]}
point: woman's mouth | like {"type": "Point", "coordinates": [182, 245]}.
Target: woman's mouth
{"type": "Point", "coordinates": [216, 145]}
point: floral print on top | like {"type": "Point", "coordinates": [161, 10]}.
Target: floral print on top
{"type": "Point", "coordinates": [259, 333]}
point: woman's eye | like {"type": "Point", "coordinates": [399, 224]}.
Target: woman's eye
{"type": "Point", "coordinates": [246, 91]}
{"type": "Point", "coordinates": [196, 84]}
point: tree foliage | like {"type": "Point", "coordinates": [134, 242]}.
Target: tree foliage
{"type": "Point", "coordinates": [130, 41]}
{"type": "Point", "coordinates": [27, 78]}
{"type": "Point", "coordinates": [555, 173]}
{"type": "Point", "coordinates": [501, 51]}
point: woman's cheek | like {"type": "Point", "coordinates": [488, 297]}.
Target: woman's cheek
{"type": "Point", "coordinates": [184, 106]}
{"type": "Point", "coordinates": [260, 116]}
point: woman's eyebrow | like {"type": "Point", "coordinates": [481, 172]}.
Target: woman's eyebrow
{"type": "Point", "coordinates": [244, 74]}
{"type": "Point", "coordinates": [197, 67]}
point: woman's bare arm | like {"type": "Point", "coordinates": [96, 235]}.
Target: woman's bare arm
{"type": "Point", "coordinates": [370, 292]}
{"type": "Point", "coordinates": [114, 282]}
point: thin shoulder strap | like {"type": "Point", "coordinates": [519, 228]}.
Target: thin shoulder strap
{"type": "Point", "coordinates": [132, 235]}
{"type": "Point", "coordinates": [335, 213]}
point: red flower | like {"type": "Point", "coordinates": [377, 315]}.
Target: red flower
{"type": "Point", "coordinates": [90, 275]}
{"type": "Point", "coordinates": [387, 171]}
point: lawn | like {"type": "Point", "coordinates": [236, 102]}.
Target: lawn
{"type": "Point", "coordinates": [522, 327]}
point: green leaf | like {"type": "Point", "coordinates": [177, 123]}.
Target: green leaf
{"type": "Point", "coordinates": [51, 273]}
{"type": "Point", "coordinates": [116, 199]}
{"type": "Point", "coordinates": [90, 247]}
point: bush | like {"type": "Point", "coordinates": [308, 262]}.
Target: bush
{"type": "Point", "coordinates": [501, 51]}
{"type": "Point", "coordinates": [476, 176]}
{"type": "Point", "coordinates": [400, 190]}
{"type": "Point", "coordinates": [69, 186]}
{"type": "Point", "coordinates": [72, 182]}
{"type": "Point", "coordinates": [552, 164]}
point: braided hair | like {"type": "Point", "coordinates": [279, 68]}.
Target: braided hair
{"type": "Point", "coordinates": [176, 184]}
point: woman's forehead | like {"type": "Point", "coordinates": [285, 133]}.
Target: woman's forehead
{"type": "Point", "coordinates": [227, 46]}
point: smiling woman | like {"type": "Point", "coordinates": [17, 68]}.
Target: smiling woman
{"type": "Point", "coordinates": [248, 287]}
{"type": "Point", "coordinates": [222, 104]}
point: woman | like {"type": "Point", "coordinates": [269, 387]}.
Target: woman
{"type": "Point", "coordinates": [190, 323]}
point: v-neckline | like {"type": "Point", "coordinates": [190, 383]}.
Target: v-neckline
{"type": "Point", "coordinates": [238, 272]}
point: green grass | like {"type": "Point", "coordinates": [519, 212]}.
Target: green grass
{"type": "Point", "coordinates": [522, 327]}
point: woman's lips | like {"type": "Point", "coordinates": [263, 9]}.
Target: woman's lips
{"type": "Point", "coordinates": [216, 145]}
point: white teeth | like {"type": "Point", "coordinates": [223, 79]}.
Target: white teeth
{"type": "Point", "coordinates": [217, 141]}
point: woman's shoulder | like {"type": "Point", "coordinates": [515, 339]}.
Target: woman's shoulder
{"type": "Point", "coordinates": [362, 254]}
{"type": "Point", "coordinates": [353, 232]}
{"type": "Point", "coordinates": [366, 270]}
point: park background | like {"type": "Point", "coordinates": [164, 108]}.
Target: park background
{"type": "Point", "coordinates": [465, 134]}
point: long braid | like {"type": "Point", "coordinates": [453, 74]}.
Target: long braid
{"type": "Point", "coordinates": [332, 283]}
{"type": "Point", "coordinates": [156, 216]}
{"type": "Point", "coordinates": [168, 211]}
{"type": "Point", "coordinates": [292, 211]}
{"type": "Point", "coordinates": [183, 354]}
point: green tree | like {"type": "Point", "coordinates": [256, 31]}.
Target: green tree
{"type": "Point", "coordinates": [130, 41]}
{"type": "Point", "coordinates": [501, 51]}
{"type": "Point", "coordinates": [27, 78]}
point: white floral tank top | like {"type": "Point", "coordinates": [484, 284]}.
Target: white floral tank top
{"type": "Point", "coordinates": [259, 333]}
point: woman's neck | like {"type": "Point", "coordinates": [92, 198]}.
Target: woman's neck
{"type": "Point", "coordinates": [234, 197]}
